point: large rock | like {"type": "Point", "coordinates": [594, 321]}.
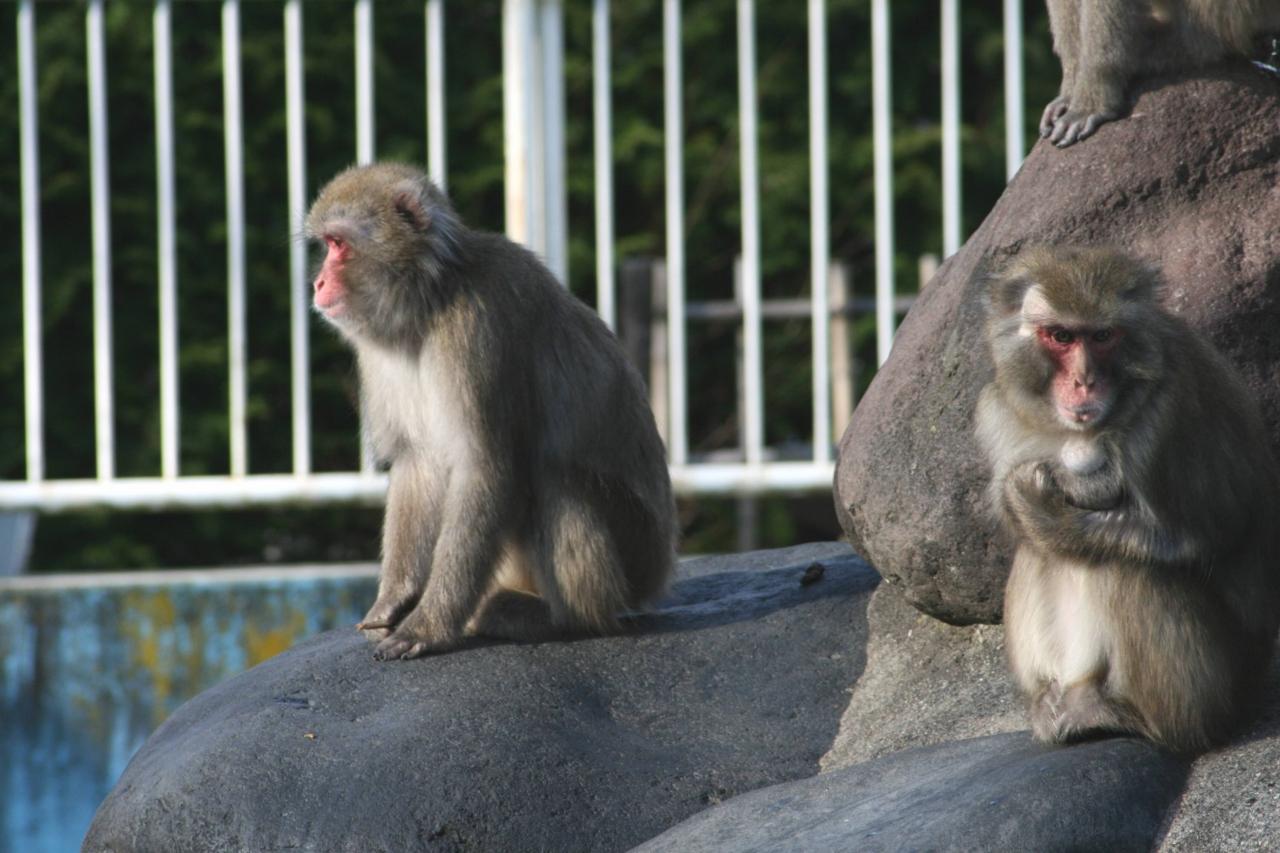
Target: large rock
{"type": "Point", "coordinates": [1189, 182]}
{"type": "Point", "coordinates": [925, 682]}
{"type": "Point", "coordinates": [736, 682]}
{"type": "Point", "coordinates": [1003, 792]}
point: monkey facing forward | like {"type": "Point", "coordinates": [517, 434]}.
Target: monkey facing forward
{"type": "Point", "coordinates": [1105, 44]}
{"type": "Point", "coordinates": [1132, 468]}
{"type": "Point", "coordinates": [529, 495]}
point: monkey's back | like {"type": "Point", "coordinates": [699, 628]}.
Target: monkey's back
{"type": "Point", "coordinates": [592, 427]}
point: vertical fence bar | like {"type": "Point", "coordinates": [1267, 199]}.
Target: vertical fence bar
{"type": "Point", "coordinates": [435, 93]}
{"type": "Point", "coordinates": [299, 331]}
{"type": "Point", "coordinates": [883, 156]}
{"type": "Point", "coordinates": [166, 248]}
{"type": "Point", "coordinates": [523, 137]}
{"type": "Point", "coordinates": [104, 418]}
{"type": "Point", "coordinates": [752, 332]}
{"type": "Point", "coordinates": [951, 223]}
{"type": "Point", "coordinates": [234, 155]}
{"type": "Point", "coordinates": [364, 81]}
{"type": "Point", "coordinates": [819, 231]}
{"type": "Point", "coordinates": [33, 380]}
{"type": "Point", "coordinates": [673, 133]}
{"type": "Point", "coordinates": [364, 139]}
{"type": "Point", "coordinates": [1013, 115]}
{"type": "Point", "coordinates": [602, 130]}
{"type": "Point", "coordinates": [551, 22]}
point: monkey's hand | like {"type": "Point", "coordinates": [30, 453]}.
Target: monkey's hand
{"type": "Point", "coordinates": [1052, 112]}
{"type": "Point", "coordinates": [1045, 516]}
{"type": "Point", "coordinates": [1074, 125]}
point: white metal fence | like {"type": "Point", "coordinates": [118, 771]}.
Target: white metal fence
{"type": "Point", "coordinates": [533, 114]}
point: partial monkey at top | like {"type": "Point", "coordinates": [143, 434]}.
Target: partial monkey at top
{"type": "Point", "coordinates": [1105, 45]}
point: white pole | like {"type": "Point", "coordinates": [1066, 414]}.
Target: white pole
{"type": "Point", "coordinates": [951, 209]}
{"type": "Point", "coordinates": [819, 231]}
{"type": "Point", "coordinates": [602, 129]}
{"type": "Point", "coordinates": [1014, 145]}
{"type": "Point", "coordinates": [883, 158]}
{"type": "Point", "coordinates": [166, 240]}
{"type": "Point", "coordinates": [299, 301]}
{"type": "Point", "coordinates": [234, 149]}
{"type": "Point", "coordinates": [33, 381]}
{"type": "Point", "coordinates": [752, 332]}
{"type": "Point", "coordinates": [555, 193]}
{"type": "Point", "coordinates": [435, 94]}
{"type": "Point", "coordinates": [104, 417]}
{"type": "Point", "coordinates": [364, 81]}
{"type": "Point", "coordinates": [673, 133]}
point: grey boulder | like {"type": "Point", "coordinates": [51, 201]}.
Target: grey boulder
{"type": "Point", "coordinates": [1188, 182]}
{"type": "Point", "coordinates": [997, 793]}
{"type": "Point", "coordinates": [736, 682]}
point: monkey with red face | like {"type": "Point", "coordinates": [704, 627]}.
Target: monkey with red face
{"type": "Point", "coordinates": [1133, 470]}
{"type": "Point", "coordinates": [529, 494]}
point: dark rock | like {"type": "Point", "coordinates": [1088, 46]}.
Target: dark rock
{"type": "Point", "coordinates": [1188, 182]}
{"type": "Point", "coordinates": [737, 681]}
{"type": "Point", "coordinates": [924, 682]}
{"type": "Point", "coordinates": [1003, 792]}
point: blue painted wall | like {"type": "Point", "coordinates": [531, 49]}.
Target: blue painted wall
{"type": "Point", "coordinates": [87, 673]}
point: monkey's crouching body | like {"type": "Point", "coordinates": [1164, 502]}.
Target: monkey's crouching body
{"type": "Point", "coordinates": [1133, 470]}
{"type": "Point", "coordinates": [529, 495]}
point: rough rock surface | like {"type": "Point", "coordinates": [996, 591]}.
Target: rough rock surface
{"type": "Point", "coordinates": [1003, 792]}
{"type": "Point", "coordinates": [737, 681]}
{"type": "Point", "coordinates": [1189, 181]}
{"type": "Point", "coordinates": [925, 682]}
{"type": "Point", "coordinates": [1232, 800]}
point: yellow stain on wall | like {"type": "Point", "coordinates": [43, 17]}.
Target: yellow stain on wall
{"type": "Point", "coordinates": [260, 645]}
{"type": "Point", "coordinates": [150, 616]}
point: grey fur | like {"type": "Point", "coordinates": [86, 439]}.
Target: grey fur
{"type": "Point", "coordinates": [1144, 595]}
{"type": "Point", "coordinates": [529, 493]}
{"type": "Point", "coordinates": [1105, 45]}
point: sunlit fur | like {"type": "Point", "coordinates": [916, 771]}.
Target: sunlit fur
{"type": "Point", "coordinates": [1145, 592]}
{"type": "Point", "coordinates": [529, 495]}
{"type": "Point", "coordinates": [1105, 45]}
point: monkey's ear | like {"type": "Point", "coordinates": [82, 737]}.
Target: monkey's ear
{"type": "Point", "coordinates": [409, 207]}
{"type": "Point", "coordinates": [1005, 293]}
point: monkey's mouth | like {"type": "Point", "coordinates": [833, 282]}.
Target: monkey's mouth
{"type": "Point", "coordinates": [1082, 416]}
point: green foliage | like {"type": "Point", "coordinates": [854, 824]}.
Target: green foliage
{"type": "Point", "coordinates": [474, 121]}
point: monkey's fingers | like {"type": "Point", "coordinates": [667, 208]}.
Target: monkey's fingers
{"type": "Point", "coordinates": [374, 624]}
{"type": "Point", "coordinates": [1052, 112]}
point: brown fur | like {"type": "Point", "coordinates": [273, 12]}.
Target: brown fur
{"type": "Point", "coordinates": [1105, 45]}
{"type": "Point", "coordinates": [529, 495]}
{"type": "Point", "coordinates": [1145, 593]}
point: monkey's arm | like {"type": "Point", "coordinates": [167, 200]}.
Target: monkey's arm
{"type": "Point", "coordinates": [1041, 510]}
{"type": "Point", "coordinates": [409, 533]}
{"type": "Point", "coordinates": [466, 552]}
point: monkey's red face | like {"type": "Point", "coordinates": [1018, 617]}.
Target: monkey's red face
{"type": "Point", "coordinates": [330, 284]}
{"type": "Point", "coordinates": [1082, 386]}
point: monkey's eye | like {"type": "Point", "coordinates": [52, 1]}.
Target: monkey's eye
{"type": "Point", "coordinates": [1062, 336]}
{"type": "Point", "coordinates": [1102, 336]}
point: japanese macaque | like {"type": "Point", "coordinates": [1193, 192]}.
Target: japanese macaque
{"type": "Point", "coordinates": [1105, 45]}
{"type": "Point", "coordinates": [529, 494]}
{"type": "Point", "coordinates": [1132, 468]}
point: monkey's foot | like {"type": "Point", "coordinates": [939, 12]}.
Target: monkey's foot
{"type": "Point", "coordinates": [384, 616]}
{"type": "Point", "coordinates": [1054, 111]}
{"type": "Point", "coordinates": [1074, 125]}
{"type": "Point", "coordinates": [406, 644]}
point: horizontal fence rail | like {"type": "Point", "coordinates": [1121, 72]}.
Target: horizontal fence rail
{"type": "Point", "coordinates": [533, 49]}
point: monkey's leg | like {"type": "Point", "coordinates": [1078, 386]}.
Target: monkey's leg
{"type": "Point", "coordinates": [1086, 711]}
{"type": "Point", "coordinates": [511, 615]}
{"type": "Point", "coordinates": [581, 574]}
{"type": "Point", "coordinates": [1064, 21]}
{"type": "Point", "coordinates": [409, 530]}
{"type": "Point", "coordinates": [463, 565]}
{"type": "Point", "coordinates": [1110, 54]}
